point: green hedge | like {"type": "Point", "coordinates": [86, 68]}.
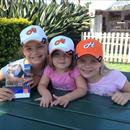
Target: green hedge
{"type": "Point", "coordinates": [9, 39]}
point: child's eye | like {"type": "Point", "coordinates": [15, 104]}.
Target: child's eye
{"type": "Point", "coordinates": [55, 55]}
{"type": "Point", "coordinates": [68, 54]}
{"type": "Point", "coordinates": [39, 47]}
{"type": "Point", "coordinates": [28, 49]}
{"type": "Point", "coordinates": [81, 60]}
{"type": "Point", "coordinates": [94, 61]}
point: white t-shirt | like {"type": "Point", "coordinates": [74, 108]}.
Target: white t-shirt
{"type": "Point", "coordinates": [18, 67]}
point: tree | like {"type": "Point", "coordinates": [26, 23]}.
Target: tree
{"type": "Point", "coordinates": [64, 1]}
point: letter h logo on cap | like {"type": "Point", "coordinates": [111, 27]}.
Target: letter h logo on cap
{"type": "Point", "coordinates": [91, 44]}
{"type": "Point", "coordinates": [32, 30]}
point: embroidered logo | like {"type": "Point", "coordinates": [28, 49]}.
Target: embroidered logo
{"type": "Point", "coordinates": [91, 44]}
{"type": "Point", "coordinates": [32, 30]}
{"type": "Point", "coordinates": [62, 41]}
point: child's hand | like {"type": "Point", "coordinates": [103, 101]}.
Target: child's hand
{"type": "Point", "coordinates": [120, 98]}
{"type": "Point", "coordinates": [61, 100]}
{"type": "Point", "coordinates": [29, 80]}
{"type": "Point", "coordinates": [6, 94]}
{"type": "Point", "coordinates": [45, 100]}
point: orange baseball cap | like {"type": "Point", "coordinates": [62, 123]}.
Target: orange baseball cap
{"type": "Point", "coordinates": [90, 47]}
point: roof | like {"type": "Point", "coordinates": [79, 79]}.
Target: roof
{"type": "Point", "coordinates": [120, 5]}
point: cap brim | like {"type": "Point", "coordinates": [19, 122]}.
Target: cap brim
{"type": "Point", "coordinates": [83, 54]}
{"type": "Point", "coordinates": [63, 50]}
{"type": "Point", "coordinates": [30, 39]}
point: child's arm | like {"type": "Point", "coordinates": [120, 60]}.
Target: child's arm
{"type": "Point", "coordinates": [46, 98]}
{"type": "Point", "coordinates": [124, 96]}
{"type": "Point", "coordinates": [80, 91]}
{"type": "Point", "coordinates": [1, 76]}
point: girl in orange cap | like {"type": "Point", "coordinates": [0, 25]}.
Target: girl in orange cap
{"type": "Point", "coordinates": [101, 80]}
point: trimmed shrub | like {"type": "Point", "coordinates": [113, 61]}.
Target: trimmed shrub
{"type": "Point", "coordinates": [9, 39]}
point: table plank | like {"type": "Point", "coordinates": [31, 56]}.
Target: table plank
{"type": "Point", "coordinates": [10, 122]}
{"type": "Point", "coordinates": [87, 107]}
{"type": "Point", "coordinates": [92, 98]}
{"type": "Point", "coordinates": [59, 117]}
{"type": "Point", "coordinates": [103, 101]}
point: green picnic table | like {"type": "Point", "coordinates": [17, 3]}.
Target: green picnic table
{"type": "Point", "coordinates": [91, 112]}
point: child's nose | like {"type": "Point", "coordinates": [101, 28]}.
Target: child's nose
{"type": "Point", "coordinates": [34, 49]}
{"type": "Point", "coordinates": [62, 57]}
{"type": "Point", "coordinates": [87, 63]}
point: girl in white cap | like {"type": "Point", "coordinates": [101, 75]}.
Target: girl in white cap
{"type": "Point", "coordinates": [33, 41]}
{"type": "Point", "coordinates": [62, 74]}
{"type": "Point", "coordinates": [100, 79]}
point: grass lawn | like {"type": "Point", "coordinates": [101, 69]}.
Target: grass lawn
{"type": "Point", "coordinates": [119, 66]}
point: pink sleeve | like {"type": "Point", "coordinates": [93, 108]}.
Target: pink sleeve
{"type": "Point", "coordinates": [75, 72]}
{"type": "Point", "coordinates": [47, 71]}
{"type": "Point", "coordinates": [120, 79]}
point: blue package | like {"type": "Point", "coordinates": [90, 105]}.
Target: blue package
{"type": "Point", "coordinates": [21, 90]}
{"type": "Point", "coordinates": [27, 71]}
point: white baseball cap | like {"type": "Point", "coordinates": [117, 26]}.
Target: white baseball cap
{"type": "Point", "coordinates": [32, 32]}
{"type": "Point", "coordinates": [62, 43]}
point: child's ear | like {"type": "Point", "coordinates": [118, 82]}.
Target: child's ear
{"type": "Point", "coordinates": [24, 52]}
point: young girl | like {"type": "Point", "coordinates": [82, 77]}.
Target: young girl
{"type": "Point", "coordinates": [33, 41]}
{"type": "Point", "coordinates": [62, 74]}
{"type": "Point", "coordinates": [101, 80]}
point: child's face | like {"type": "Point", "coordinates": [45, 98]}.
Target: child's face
{"type": "Point", "coordinates": [89, 67]}
{"type": "Point", "coordinates": [35, 52]}
{"type": "Point", "coordinates": [61, 60]}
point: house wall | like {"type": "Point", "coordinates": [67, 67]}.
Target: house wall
{"type": "Point", "coordinates": [115, 21]}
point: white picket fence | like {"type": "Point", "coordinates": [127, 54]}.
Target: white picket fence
{"type": "Point", "coordinates": [116, 45]}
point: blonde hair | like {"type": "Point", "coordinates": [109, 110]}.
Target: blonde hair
{"type": "Point", "coordinates": [104, 70]}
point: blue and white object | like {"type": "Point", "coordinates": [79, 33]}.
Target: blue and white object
{"type": "Point", "coordinates": [21, 90]}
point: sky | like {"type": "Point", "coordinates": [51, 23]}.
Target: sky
{"type": "Point", "coordinates": [96, 4]}
{"type": "Point", "coordinates": [101, 4]}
